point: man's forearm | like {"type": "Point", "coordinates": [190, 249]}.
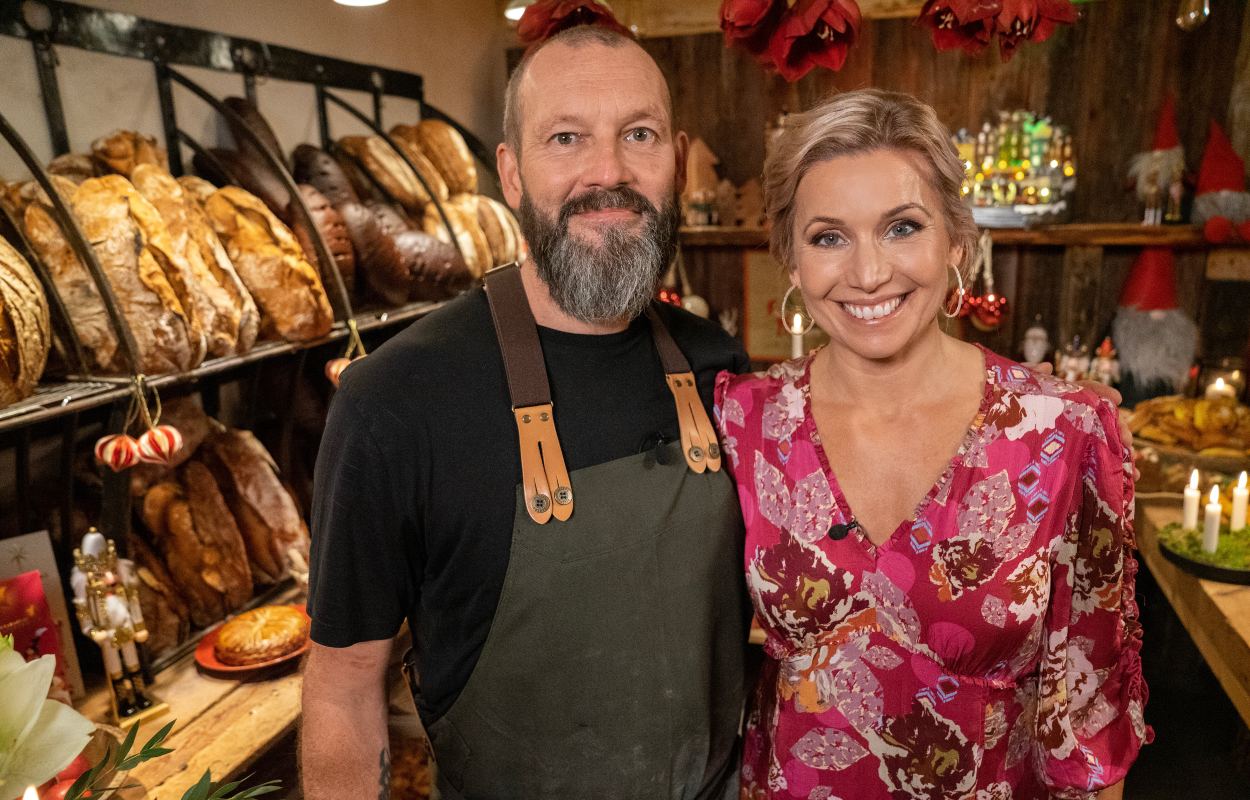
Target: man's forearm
{"type": "Point", "coordinates": [343, 744]}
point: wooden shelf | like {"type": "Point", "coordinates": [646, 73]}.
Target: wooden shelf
{"type": "Point", "coordinates": [1093, 234]}
{"type": "Point", "coordinates": [52, 400]}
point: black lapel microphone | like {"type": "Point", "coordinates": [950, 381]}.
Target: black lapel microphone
{"type": "Point", "coordinates": [840, 532]}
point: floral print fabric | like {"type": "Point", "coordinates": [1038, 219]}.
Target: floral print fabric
{"type": "Point", "coordinates": [989, 649]}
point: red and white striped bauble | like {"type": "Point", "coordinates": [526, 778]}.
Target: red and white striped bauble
{"type": "Point", "coordinates": [117, 452]}
{"type": "Point", "coordinates": [158, 445]}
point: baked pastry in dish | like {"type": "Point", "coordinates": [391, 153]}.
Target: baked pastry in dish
{"type": "Point", "coordinates": [261, 634]}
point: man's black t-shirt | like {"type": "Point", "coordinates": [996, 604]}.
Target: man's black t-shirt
{"type": "Point", "coordinates": [416, 477]}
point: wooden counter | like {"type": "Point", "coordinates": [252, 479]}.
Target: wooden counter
{"type": "Point", "coordinates": [1217, 615]}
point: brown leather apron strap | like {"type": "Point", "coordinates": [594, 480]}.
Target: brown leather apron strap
{"type": "Point", "coordinates": [698, 437]}
{"type": "Point", "coordinates": [542, 460]}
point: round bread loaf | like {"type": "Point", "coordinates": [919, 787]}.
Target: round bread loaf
{"type": "Point", "coordinates": [261, 634]}
{"type": "Point", "coordinates": [381, 264]}
{"type": "Point", "coordinates": [333, 232]}
{"type": "Point", "coordinates": [25, 328]}
{"type": "Point", "coordinates": [447, 151]}
{"type": "Point", "coordinates": [436, 270]}
{"type": "Point", "coordinates": [322, 171]}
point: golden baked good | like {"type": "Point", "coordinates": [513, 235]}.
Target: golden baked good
{"type": "Point", "coordinates": [1208, 427]}
{"type": "Point", "coordinates": [261, 634]}
{"type": "Point", "coordinates": [214, 308]}
{"type": "Point", "coordinates": [468, 235]}
{"type": "Point", "coordinates": [122, 151]}
{"type": "Point", "coordinates": [165, 613]}
{"type": "Point", "coordinates": [447, 151]}
{"type": "Point", "coordinates": [268, 258]}
{"type": "Point", "coordinates": [268, 518]}
{"type": "Point", "coordinates": [333, 231]}
{"type": "Point", "coordinates": [197, 188]}
{"type": "Point", "coordinates": [135, 252]}
{"type": "Point", "coordinates": [25, 327]}
{"type": "Point", "coordinates": [425, 168]}
{"type": "Point", "coordinates": [376, 157]}
{"type": "Point", "coordinates": [75, 166]}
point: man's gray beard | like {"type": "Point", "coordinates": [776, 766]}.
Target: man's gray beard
{"type": "Point", "coordinates": [612, 280]}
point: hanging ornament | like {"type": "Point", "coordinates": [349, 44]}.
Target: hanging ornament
{"type": "Point", "coordinates": [1022, 21]}
{"type": "Point", "coordinates": [814, 33]}
{"type": "Point", "coordinates": [158, 445]}
{"type": "Point", "coordinates": [749, 24]}
{"type": "Point", "coordinates": [355, 351]}
{"type": "Point", "coordinates": [987, 310]}
{"type": "Point", "coordinates": [117, 452]}
{"type": "Point", "coordinates": [1192, 14]}
{"type": "Point", "coordinates": [546, 18]}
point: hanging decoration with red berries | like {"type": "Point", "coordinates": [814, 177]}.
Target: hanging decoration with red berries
{"type": "Point", "coordinates": [986, 309]}
{"type": "Point", "coordinates": [156, 445]}
{"type": "Point", "coordinates": [355, 351]}
{"type": "Point", "coordinates": [970, 24]}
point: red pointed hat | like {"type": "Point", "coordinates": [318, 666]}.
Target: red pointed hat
{"type": "Point", "coordinates": [1222, 169]}
{"type": "Point", "coordinates": [1151, 283]}
{"type": "Point", "coordinates": [1166, 136]}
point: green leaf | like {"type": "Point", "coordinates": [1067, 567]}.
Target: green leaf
{"type": "Point", "coordinates": [124, 751]}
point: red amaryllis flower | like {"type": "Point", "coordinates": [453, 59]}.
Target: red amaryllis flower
{"type": "Point", "coordinates": [967, 24]}
{"type": "Point", "coordinates": [814, 33]}
{"type": "Point", "coordinates": [749, 24]}
{"type": "Point", "coordinates": [546, 18]}
{"type": "Point", "coordinates": [1030, 20]}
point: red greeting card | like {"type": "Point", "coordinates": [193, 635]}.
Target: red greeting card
{"type": "Point", "coordinates": [24, 615]}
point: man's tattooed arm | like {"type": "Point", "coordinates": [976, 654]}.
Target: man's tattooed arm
{"type": "Point", "coordinates": [384, 778]}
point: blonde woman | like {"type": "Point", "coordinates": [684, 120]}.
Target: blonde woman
{"type": "Point", "coordinates": [938, 540]}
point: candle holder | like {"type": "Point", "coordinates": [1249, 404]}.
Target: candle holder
{"type": "Point", "coordinates": [1226, 378]}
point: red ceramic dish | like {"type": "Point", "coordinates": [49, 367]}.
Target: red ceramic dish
{"type": "Point", "coordinates": [206, 655]}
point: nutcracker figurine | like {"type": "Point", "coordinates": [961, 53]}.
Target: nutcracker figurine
{"type": "Point", "coordinates": [106, 597]}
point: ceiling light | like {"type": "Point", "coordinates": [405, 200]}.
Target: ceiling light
{"type": "Point", "coordinates": [360, 3]}
{"type": "Point", "coordinates": [516, 9]}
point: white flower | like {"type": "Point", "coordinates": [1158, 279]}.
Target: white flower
{"type": "Point", "coordinates": [38, 736]}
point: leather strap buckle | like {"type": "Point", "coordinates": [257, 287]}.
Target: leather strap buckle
{"type": "Point", "coordinates": [542, 465]}
{"type": "Point", "coordinates": [698, 438]}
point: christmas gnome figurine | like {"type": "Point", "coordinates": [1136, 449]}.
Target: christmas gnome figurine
{"type": "Point", "coordinates": [1221, 203]}
{"type": "Point", "coordinates": [1158, 173]}
{"type": "Point", "coordinates": [1156, 340]}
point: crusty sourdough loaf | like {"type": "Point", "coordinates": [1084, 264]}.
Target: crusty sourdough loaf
{"type": "Point", "coordinates": [121, 151]}
{"type": "Point", "coordinates": [324, 173]}
{"type": "Point", "coordinates": [285, 286]}
{"type": "Point", "coordinates": [75, 166]}
{"type": "Point", "coordinates": [25, 327]}
{"type": "Point", "coordinates": [425, 168]}
{"type": "Point", "coordinates": [446, 149]}
{"type": "Point", "coordinates": [333, 232]}
{"type": "Point", "coordinates": [268, 518]}
{"type": "Point", "coordinates": [467, 233]}
{"type": "Point", "coordinates": [387, 168]}
{"type": "Point", "coordinates": [165, 612]}
{"type": "Point", "coordinates": [500, 228]}
{"type": "Point", "coordinates": [218, 309]}
{"type": "Point", "coordinates": [135, 252]}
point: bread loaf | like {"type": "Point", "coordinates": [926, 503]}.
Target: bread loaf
{"type": "Point", "coordinates": [25, 327]}
{"type": "Point", "coordinates": [165, 613]}
{"type": "Point", "coordinates": [333, 233]}
{"type": "Point", "coordinates": [249, 171]}
{"type": "Point", "coordinates": [323, 172]}
{"type": "Point", "coordinates": [224, 563]}
{"type": "Point", "coordinates": [197, 188]}
{"type": "Point", "coordinates": [425, 168]}
{"type": "Point", "coordinates": [185, 414]}
{"type": "Point", "coordinates": [267, 515]}
{"type": "Point", "coordinates": [435, 270]}
{"type": "Point", "coordinates": [122, 151]}
{"type": "Point", "coordinates": [500, 229]}
{"type": "Point", "coordinates": [446, 149]}
{"type": "Point", "coordinates": [75, 166]}
{"type": "Point", "coordinates": [256, 123]}
{"type": "Point", "coordinates": [387, 168]}
{"type": "Point", "coordinates": [381, 264]}
{"type": "Point", "coordinates": [136, 255]}
{"type": "Point", "coordinates": [215, 308]}
{"type": "Point", "coordinates": [469, 237]}
{"type": "Point", "coordinates": [268, 258]}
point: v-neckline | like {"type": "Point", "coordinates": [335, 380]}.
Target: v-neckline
{"type": "Point", "coordinates": [803, 383]}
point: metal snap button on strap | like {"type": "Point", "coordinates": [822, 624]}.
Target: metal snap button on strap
{"type": "Point", "coordinates": [696, 453]}
{"type": "Point", "coordinates": [564, 495]}
{"type": "Point", "coordinates": [541, 503]}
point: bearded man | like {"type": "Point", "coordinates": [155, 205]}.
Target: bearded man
{"type": "Point", "coordinates": [529, 478]}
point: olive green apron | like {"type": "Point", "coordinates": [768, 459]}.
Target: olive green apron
{"type": "Point", "coordinates": [614, 663]}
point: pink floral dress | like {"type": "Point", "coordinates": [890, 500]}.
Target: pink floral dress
{"type": "Point", "coordinates": [989, 649]}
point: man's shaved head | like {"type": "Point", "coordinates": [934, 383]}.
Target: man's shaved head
{"type": "Point", "coordinates": [577, 37]}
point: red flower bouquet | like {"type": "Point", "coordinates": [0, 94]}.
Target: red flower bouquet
{"type": "Point", "coordinates": [1030, 20]}
{"type": "Point", "coordinates": [749, 24]}
{"type": "Point", "coordinates": [814, 33]}
{"type": "Point", "coordinates": [965, 24]}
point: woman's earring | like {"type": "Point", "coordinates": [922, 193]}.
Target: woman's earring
{"type": "Point", "coordinates": [796, 321]}
{"type": "Point", "coordinates": [959, 295]}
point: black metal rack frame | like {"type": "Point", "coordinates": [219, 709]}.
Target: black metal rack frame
{"type": "Point", "coordinates": [50, 23]}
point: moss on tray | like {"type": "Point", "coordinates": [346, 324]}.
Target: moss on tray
{"type": "Point", "coordinates": [1233, 551]}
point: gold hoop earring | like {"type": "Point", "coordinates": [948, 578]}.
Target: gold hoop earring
{"type": "Point", "coordinates": [801, 314]}
{"type": "Point", "coordinates": [959, 294]}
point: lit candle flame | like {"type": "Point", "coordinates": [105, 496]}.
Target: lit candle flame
{"type": "Point", "coordinates": [797, 327]}
{"type": "Point", "coordinates": [1219, 384]}
{"type": "Point", "coordinates": [1193, 479]}
{"type": "Point", "coordinates": [1215, 495]}
{"type": "Point", "coordinates": [30, 794]}
{"type": "Point", "coordinates": [1241, 481]}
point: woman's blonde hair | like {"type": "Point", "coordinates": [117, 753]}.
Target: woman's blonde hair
{"type": "Point", "coordinates": [857, 122]}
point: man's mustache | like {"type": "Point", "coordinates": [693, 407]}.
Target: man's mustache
{"type": "Point", "coordinates": [622, 197]}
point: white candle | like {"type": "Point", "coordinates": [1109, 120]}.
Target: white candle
{"type": "Point", "coordinates": [30, 794]}
{"type": "Point", "coordinates": [1240, 495]}
{"type": "Point", "coordinates": [1189, 517]}
{"type": "Point", "coordinates": [796, 336]}
{"type": "Point", "coordinates": [1211, 522]}
{"type": "Point", "coordinates": [1218, 389]}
